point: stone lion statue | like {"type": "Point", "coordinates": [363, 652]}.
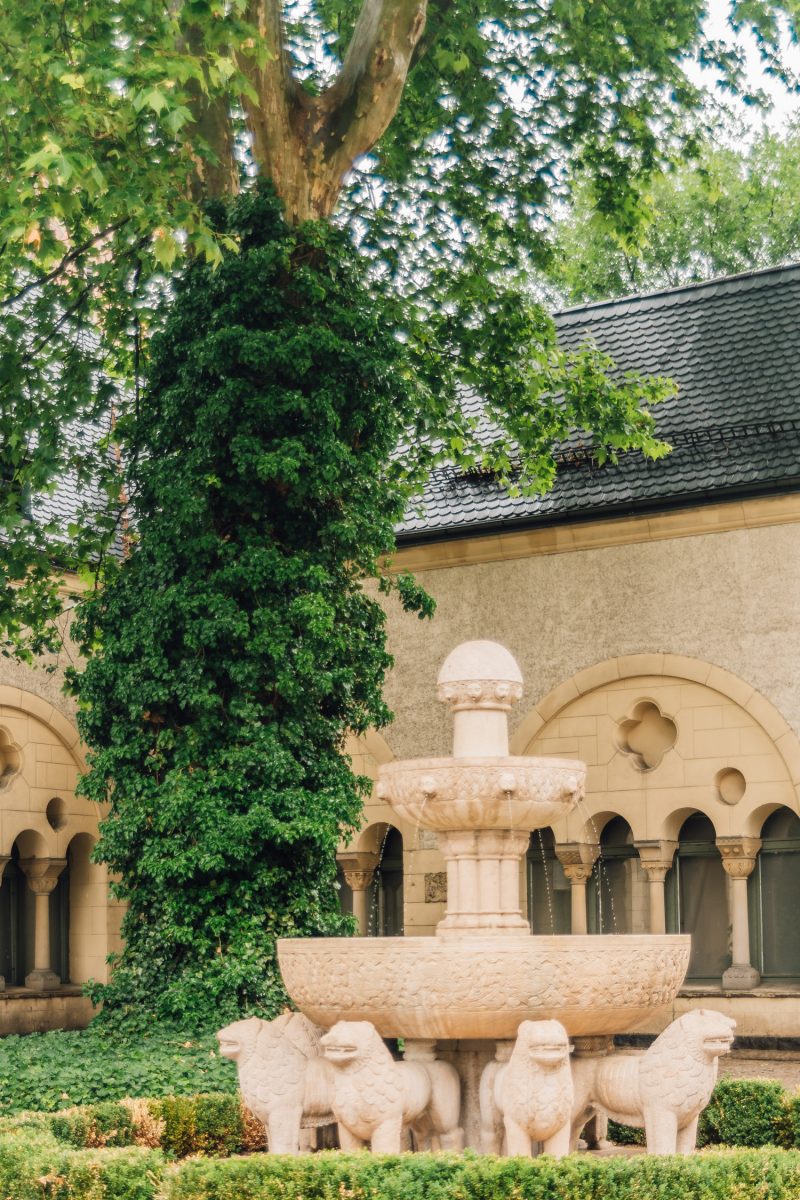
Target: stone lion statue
{"type": "Point", "coordinates": [530, 1094]}
{"type": "Point", "coordinates": [662, 1090]}
{"type": "Point", "coordinates": [283, 1077]}
{"type": "Point", "coordinates": [374, 1096]}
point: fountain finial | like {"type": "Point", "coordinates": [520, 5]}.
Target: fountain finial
{"type": "Point", "coordinates": [480, 681]}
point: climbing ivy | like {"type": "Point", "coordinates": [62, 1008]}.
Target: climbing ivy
{"type": "Point", "coordinates": [237, 643]}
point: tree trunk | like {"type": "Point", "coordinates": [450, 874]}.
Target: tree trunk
{"type": "Point", "coordinates": [308, 144]}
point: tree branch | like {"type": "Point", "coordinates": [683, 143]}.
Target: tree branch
{"type": "Point", "coordinates": [217, 176]}
{"type": "Point", "coordinates": [362, 101]}
{"type": "Point", "coordinates": [272, 120]}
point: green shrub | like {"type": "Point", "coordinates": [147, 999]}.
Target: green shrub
{"type": "Point", "coordinates": [714, 1175]}
{"type": "Point", "coordinates": [37, 1167]}
{"type": "Point", "coordinates": [108, 1124]}
{"type": "Point", "coordinates": [211, 1124]}
{"type": "Point", "coordinates": [53, 1071]}
{"type": "Point", "coordinates": [625, 1135]}
{"type": "Point", "coordinates": [746, 1112]}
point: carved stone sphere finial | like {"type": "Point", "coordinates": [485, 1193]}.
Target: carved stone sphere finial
{"type": "Point", "coordinates": [480, 675]}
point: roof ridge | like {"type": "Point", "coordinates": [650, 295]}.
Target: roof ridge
{"type": "Point", "coordinates": [725, 283]}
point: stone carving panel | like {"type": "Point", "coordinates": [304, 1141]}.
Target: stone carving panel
{"type": "Point", "coordinates": [436, 887]}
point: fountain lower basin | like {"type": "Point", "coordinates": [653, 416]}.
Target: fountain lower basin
{"type": "Point", "coordinates": [484, 986]}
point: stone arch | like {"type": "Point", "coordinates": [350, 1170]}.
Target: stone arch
{"type": "Point", "coordinates": [675, 820]}
{"type": "Point", "coordinates": [732, 758]}
{"type": "Point", "coordinates": [34, 706]}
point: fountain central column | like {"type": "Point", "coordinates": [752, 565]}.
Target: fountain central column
{"type": "Point", "coordinates": [482, 864]}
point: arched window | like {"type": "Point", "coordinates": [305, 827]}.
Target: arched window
{"type": "Point", "coordinates": [617, 890]}
{"type": "Point", "coordinates": [774, 896]}
{"type": "Point", "coordinates": [548, 887]}
{"type": "Point", "coordinates": [386, 907]}
{"type": "Point", "coordinates": [16, 923]}
{"type": "Point", "coordinates": [697, 899]}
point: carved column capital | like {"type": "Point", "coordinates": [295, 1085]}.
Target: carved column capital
{"type": "Point", "coordinates": [42, 873]}
{"type": "Point", "coordinates": [656, 858]}
{"type": "Point", "coordinates": [576, 857]}
{"type": "Point", "coordinates": [359, 867]}
{"type": "Point", "coordinates": [739, 855]}
{"type": "Point", "coordinates": [578, 872]}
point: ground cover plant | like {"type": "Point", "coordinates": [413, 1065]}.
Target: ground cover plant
{"type": "Point", "coordinates": [58, 1070]}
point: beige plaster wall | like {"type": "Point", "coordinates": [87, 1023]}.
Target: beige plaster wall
{"type": "Point", "coordinates": [731, 599]}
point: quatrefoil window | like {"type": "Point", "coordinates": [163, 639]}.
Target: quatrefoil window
{"type": "Point", "coordinates": [647, 735]}
{"type": "Point", "coordinates": [9, 759]}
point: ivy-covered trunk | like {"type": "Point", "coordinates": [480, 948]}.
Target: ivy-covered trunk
{"type": "Point", "coordinates": [237, 644]}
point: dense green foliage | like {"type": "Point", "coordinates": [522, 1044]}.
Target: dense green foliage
{"type": "Point", "coordinates": [34, 1165]}
{"type": "Point", "coordinates": [732, 210]}
{"type": "Point", "coordinates": [750, 1112]}
{"type": "Point", "coordinates": [52, 1071]}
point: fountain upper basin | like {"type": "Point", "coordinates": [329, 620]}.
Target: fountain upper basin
{"type": "Point", "coordinates": [482, 793]}
{"type": "Point", "coordinates": [484, 986]}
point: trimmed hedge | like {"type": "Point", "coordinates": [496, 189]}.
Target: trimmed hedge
{"type": "Point", "coordinates": [744, 1174]}
{"type": "Point", "coordinates": [37, 1166]}
{"type": "Point", "coordinates": [215, 1125]}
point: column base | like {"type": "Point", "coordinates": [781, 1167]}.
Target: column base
{"type": "Point", "coordinates": [740, 977]}
{"type": "Point", "coordinates": [42, 980]}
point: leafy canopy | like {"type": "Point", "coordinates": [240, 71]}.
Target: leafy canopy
{"type": "Point", "coordinates": [456, 123]}
{"type": "Point", "coordinates": [732, 210]}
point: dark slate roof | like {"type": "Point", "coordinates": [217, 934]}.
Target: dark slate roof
{"type": "Point", "coordinates": [733, 347]}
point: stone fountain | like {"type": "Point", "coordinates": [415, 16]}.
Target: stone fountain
{"type": "Point", "coordinates": [506, 1034]}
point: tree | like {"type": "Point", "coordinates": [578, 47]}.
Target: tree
{"type": "Point", "coordinates": [230, 647]}
{"type": "Point", "coordinates": [731, 210]}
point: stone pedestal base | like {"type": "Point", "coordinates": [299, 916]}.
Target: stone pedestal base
{"type": "Point", "coordinates": [740, 977]}
{"type": "Point", "coordinates": [42, 981]}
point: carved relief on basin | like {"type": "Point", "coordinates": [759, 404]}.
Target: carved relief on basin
{"type": "Point", "coordinates": [483, 987]}
{"type": "Point", "coordinates": [482, 793]}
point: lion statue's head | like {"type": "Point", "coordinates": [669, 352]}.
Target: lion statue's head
{"type": "Point", "coordinates": [352, 1042]}
{"type": "Point", "coordinates": [680, 1068]}
{"type": "Point", "coordinates": [699, 1034]}
{"type": "Point", "coordinates": [253, 1036]}
{"type": "Point", "coordinates": [544, 1043]}
{"type": "Point", "coordinates": [238, 1041]}
{"type": "Point", "coordinates": [709, 1032]}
